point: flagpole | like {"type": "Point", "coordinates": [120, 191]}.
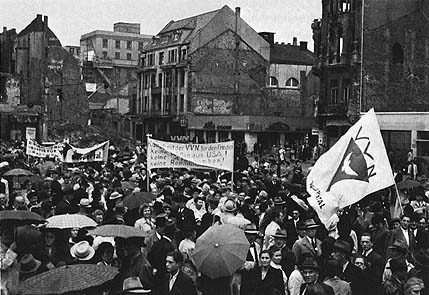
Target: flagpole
{"type": "Point", "coordinates": [232, 180]}
{"type": "Point", "coordinates": [399, 199]}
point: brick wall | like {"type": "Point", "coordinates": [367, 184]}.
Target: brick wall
{"type": "Point", "coordinates": [75, 103]}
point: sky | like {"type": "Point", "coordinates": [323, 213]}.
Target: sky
{"type": "Point", "coordinates": [69, 19]}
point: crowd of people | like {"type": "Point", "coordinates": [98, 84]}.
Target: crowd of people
{"type": "Point", "coordinates": [290, 250]}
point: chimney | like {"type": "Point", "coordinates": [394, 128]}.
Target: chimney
{"type": "Point", "coordinates": [295, 41]}
{"type": "Point", "coordinates": [45, 20]}
{"type": "Point", "coordinates": [4, 30]}
{"type": "Point", "coordinates": [303, 45]}
{"type": "Point", "coordinates": [39, 17]}
{"type": "Point", "coordinates": [268, 36]}
{"type": "Point", "coordinates": [237, 19]}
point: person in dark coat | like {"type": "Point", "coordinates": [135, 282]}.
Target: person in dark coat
{"type": "Point", "coordinates": [263, 280]}
{"type": "Point", "coordinates": [380, 235]}
{"type": "Point", "coordinates": [374, 264]}
{"type": "Point", "coordinates": [164, 244]}
{"type": "Point", "coordinates": [185, 218]}
{"type": "Point", "coordinates": [135, 264]}
{"type": "Point", "coordinates": [288, 260]}
{"type": "Point", "coordinates": [65, 206]}
{"type": "Point", "coordinates": [420, 260]}
{"type": "Point", "coordinates": [351, 273]}
{"type": "Point", "coordinates": [175, 282]}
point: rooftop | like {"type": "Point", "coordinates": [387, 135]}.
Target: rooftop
{"type": "Point", "coordinates": [290, 54]}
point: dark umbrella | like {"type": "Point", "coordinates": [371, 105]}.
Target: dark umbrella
{"type": "Point", "coordinates": [21, 216]}
{"type": "Point", "coordinates": [18, 172]}
{"type": "Point", "coordinates": [68, 278]}
{"type": "Point", "coordinates": [220, 251]}
{"type": "Point", "coordinates": [136, 199]}
{"type": "Point", "coordinates": [408, 184]}
{"type": "Point", "coordinates": [117, 230]}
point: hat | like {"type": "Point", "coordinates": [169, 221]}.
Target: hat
{"type": "Point", "coordinates": [134, 285]}
{"type": "Point", "coordinates": [342, 246]}
{"type": "Point", "coordinates": [84, 203]}
{"type": "Point", "coordinates": [421, 258]}
{"type": "Point", "coordinates": [28, 264]}
{"type": "Point", "coordinates": [229, 205]}
{"type": "Point", "coordinates": [311, 224]}
{"type": "Point", "coordinates": [280, 234]}
{"type": "Point", "coordinates": [82, 251]}
{"type": "Point", "coordinates": [278, 201]}
{"type": "Point", "coordinates": [251, 229]}
{"type": "Point", "coordinates": [300, 225]}
{"type": "Point", "coordinates": [115, 195]}
{"type": "Point", "coordinates": [4, 164]}
{"type": "Point", "coordinates": [399, 245]}
{"type": "Point", "coordinates": [309, 263]}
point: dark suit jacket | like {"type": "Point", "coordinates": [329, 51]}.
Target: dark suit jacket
{"type": "Point", "coordinates": [254, 285]}
{"type": "Point", "coordinates": [422, 239]}
{"type": "Point", "coordinates": [64, 207]}
{"type": "Point", "coordinates": [288, 260]}
{"type": "Point", "coordinates": [374, 272]}
{"type": "Point", "coordinates": [158, 253]}
{"type": "Point", "coordinates": [304, 246]}
{"type": "Point", "coordinates": [380, 238]}
{"type": "Point", "coordinates": [182, 286]}
{"type": "Point", "coordinates": [185, 220]}
{"type": "Point", "coordinates": [137, 267]}
{"type": "Point", "coordinates": [354, 276]}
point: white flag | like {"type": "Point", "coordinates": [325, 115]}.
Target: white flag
{"type": "Point", "coordinates": [357, 165]}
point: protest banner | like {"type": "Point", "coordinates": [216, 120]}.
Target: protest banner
{"type": "Point", "coordinates": [36, 150]}
{"type": "Point", "coordinates": [162, 154]}
{"type": "Point", "coordinates": [97, 153]}
{"type": "Point", "coordinates": [357, 165]}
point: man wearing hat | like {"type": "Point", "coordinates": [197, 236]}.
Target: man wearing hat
{"type": "Point", "coordinates": [309, 243]}
{"type": "Point", "coordinates": [29, 266]}
{"type": "Point", "coordinates": [288, 260]}
{"type": "Point", "coordinates": [133, 285]}
{"type": "Point", "coordinates": [135, 264]}
{"type": "Point", "coordinates": [277, 220]}
{"type": "Point", "coordinates": [403, 233]}
{"type": "Point", "coordinates": [84, 206]}
{"type": "Point", "coordinates": [397, 249]}
{"type": "Point", "coordinates": [252, 259]}
{"type": "Point", "coordinates": [421, 270]}
{"type": "Point", "coordinates": [82, 251]}
{"type": "Point", "coordinates": [310, 272]}
{"type": "Point", "coordinates": [350, 273]}
{"type": "Point", "coordinates": [185, 217]}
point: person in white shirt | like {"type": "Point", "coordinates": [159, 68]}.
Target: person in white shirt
{"type": "Point", "coordinates": [187, 245]}
{"type": "Point", "coordinates": [199, 209]}
{"type": "Point", "coordinates": [277, 219]}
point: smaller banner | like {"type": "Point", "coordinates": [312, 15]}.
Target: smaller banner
{"type": "Point", "coordinates": [162, 154]}
{"type": "Point", "coordinates": [36, 150]}
{"type": "Point", "coordinates": [97, 153]}
{"type": "Point", "coordinates": [356, 166]}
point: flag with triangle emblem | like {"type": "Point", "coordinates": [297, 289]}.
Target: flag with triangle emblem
{"type": "Point", "coordinates": [352, 166]}
{"type": "Point", "coordinates": [355, 166]}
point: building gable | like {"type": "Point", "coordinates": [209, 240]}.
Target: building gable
{"type": "Point", "coordinates": [224, 20]}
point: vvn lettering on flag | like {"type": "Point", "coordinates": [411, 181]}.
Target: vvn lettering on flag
{"type": "Point", "coordinates": [355, 166]}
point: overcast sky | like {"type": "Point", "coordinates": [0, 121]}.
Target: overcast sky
{"type": "Point", "coordinates": [69, 19]}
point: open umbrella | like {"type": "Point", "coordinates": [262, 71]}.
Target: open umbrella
{"type": "Point", "coordinates": [18, 172]}
{"type": "Point", "coordinates": [408, 184]}
{"type": "Point", "coordinates": [68, 278]}
{"type": "Point", "coordinates": [63, 221]}
{"type": "Point", "coordinates": [22, 216]}
{"type": "Point", "coordinates": [117, 230]}
{"type": "Point", "coordinates": [136, 199]}
{"type": "Point", "coordinates": [220, 251]}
